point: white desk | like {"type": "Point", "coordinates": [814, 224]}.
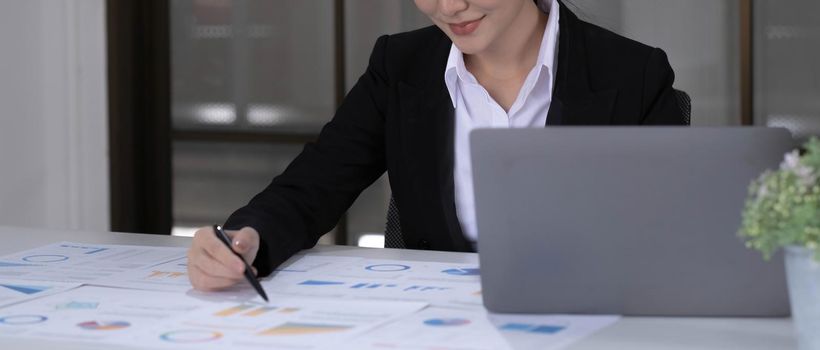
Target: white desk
{"type": "Point", "coordinates": [630, 333]}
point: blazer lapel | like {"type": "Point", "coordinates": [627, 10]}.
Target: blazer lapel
{"type": "Point", "coordinates": [573, 100]}
{"type": "Point", "coordinates": [445, 143]}
{"type": "Point", "coordinates": [428, 118]}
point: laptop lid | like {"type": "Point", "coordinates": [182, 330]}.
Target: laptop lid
{"type": "Point", "coordinates": [625, 220]}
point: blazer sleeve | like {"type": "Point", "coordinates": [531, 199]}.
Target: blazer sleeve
{"type": "Point", "coordinates": [310, 196]}
{"type": "Point", "coordinates": [659, 104]}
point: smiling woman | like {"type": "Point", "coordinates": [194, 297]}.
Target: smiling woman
{"type": "Point", "coordinates": [486, 26]}
{"type": "Point", "coordinates": [499, 40]}
{"type": "Point", "coordinates": [485, 63]}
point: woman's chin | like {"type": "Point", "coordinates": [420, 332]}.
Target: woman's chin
{"type": "Point", "coordinates": [469, 46]}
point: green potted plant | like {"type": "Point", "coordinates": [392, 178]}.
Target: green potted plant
{"type": "Point", "coordinates": [783, 211]}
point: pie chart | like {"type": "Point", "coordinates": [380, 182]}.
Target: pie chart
{"type": "Point", "coordinates": [103, 325]}
{"type": "Point", "coordinates": [22, 319]}
{"type": "Point", "coordinates": [190, 336]}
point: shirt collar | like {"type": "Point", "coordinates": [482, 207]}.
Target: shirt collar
{"type": "Point", "coordinates": [456, 70]}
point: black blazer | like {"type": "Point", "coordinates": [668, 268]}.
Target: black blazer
{"type": "Point", "coordinates": [399, 118]}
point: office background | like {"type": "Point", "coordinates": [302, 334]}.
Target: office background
{"type": "Point", "coordinates": [159, 116]}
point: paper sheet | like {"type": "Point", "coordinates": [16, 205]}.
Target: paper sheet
{"type": "Point", "coordinates": [435, 329]}
{"type": "Point", "coordinates": [14, 291]}
{"type": "Point", "coordinates": [173, 275]}
{"type": "Point", "coordinates": [316, 302]}
{"type": "Point", "coordinates": [440, 284]}
{"type": "Point", "coordinates": [83, 263]}
{"type": "Point", "coordinates": [196, 320]}
{"type": "Point", "coordinates": [448, 329]}
{"type": "Point", "coordinates": [548, 332]}
{"type": "Point", "coordinates": [289, 322]}
{"type": "Point", "coordinates": [301, 264]}
{"type": "Point", "coordinates": [170, 276]}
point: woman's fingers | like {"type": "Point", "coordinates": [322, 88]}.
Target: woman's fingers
{"type": "Point", "coordinates": [211, 264]}
{"type": "Point", "coordinates": [218, 250]}
{"type": "Point", "coordinates": [204, 281]}
{"type": "Point", "coordinates": [245, 242]}
{"type": "Point", "coordinates": [213, 267]}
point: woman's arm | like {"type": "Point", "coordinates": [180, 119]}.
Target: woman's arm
{"type": "Point", "coordinates": [659, 105]}
{"type": "Point", "coordinates": [308, 199]}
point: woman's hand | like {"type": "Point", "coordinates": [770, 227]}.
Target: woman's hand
{"type": "Point", "coordinates": [212, 266]}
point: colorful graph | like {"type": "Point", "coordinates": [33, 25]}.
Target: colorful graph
{"type": "Point", "coordinates": [25, 289]}
{"type": "Point", "coordinates": [78, 305]}
{"type": "Point", "coordinates": [292, 328]}
{"type": "Point", "coordinates": [17, 320]}
{"type": "Point", "coordinates": [321, 283]}
{"type": "Point", "coordinates": [425, 288]}
{"type": "Point", "coordinates": [190, 336]}
{"type": "Point", "coordinates": [369, 285]}
{"type": "Point", "coordinates": [372, 285]}
{"type": "Point", "coordinates": [233, 310]}
{"type": "Point", "coordinates": [45, 258]}
{"type": "Point", "coordinates": [103, 325]}
{"type": "Point", "coordinates": [167, 274]}
{"type": "Point", "coordinates": [531, 328]}
{"type": "Point", "coordinates": [248, 310]}
{"type": "Point", "coordinates": [462, 272]}
{"type": "Point", "coordinates": [447, 322]}
{"type": "Point", "coordinates": [387, 268]}
{"type": "Point", "coordinates": [259, 311]}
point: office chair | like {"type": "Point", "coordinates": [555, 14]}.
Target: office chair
{"type": "Point", "coordinates": [392, 231]}
{"type": "Point", "coordinates": [685, 103]}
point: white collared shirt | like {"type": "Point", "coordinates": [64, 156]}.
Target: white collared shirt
{"type": "Point", "coordinates": [475, 108]}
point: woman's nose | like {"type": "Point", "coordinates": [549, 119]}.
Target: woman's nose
{"type": "Point", "coordinates": [452, 7]}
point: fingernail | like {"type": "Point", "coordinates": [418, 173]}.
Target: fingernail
{"type": "Point", "coordinates": [239, 245]}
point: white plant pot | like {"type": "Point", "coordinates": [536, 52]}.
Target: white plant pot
{"type": "Point", "coordinates": [803, 274]}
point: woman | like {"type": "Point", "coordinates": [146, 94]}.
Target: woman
{"type": "Point", "coordinates": [485, 63]}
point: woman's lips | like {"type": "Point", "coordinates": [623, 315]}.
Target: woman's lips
{"type": "Point", "coordinates": [465, 28]}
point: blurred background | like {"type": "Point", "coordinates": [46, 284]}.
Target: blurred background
{"type": "Point", "coordinates": [162, 116]}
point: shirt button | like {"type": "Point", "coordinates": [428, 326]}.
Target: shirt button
{"type": "Point", "coordinates": [424, 244]}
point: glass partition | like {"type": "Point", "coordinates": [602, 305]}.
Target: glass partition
{"type": "Point", "coordinates": [786, 74]}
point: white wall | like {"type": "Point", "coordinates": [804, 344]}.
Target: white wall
{"type": "Point", "coordinates": [53, 114]}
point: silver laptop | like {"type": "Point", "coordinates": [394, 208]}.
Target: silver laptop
{"type": "Point", "coordinates": [625, 220]}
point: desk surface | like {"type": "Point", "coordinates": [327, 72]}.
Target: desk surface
{"type": "Point", "coordinates": [629, 333]}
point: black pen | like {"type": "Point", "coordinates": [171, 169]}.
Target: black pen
{"type": "Point", "coordinates": [248, 271]}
